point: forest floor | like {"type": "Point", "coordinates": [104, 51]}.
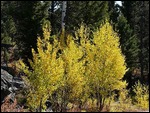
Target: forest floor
{"type": "Point", "coordinates": [114, 107]}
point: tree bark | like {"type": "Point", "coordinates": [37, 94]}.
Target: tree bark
{"type": "Point", "coordinates": [64, 6]}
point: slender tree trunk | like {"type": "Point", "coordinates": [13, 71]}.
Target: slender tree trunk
{"type": "Point", "coordinates": [80, 105]}
{"type": "Point", "coordinates": [64, 101]}
{"type": "Point", "coordinates": [52, 16]}
{"type": "Point", "coordinates": [40, 109]}
{"type": "Point", "coordinates": [98, 97]}
{"type": "Point", "coordinates": [67, 12]}
{"type": "Point", "coordinates": [64, 6]}
{"type": "Point", "coordinates": [101, 102]}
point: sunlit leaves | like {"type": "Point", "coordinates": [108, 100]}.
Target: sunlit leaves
{"type": "Point", "coordinates": [106, 63]}
{"type": "Point", "coordinates": [46, 73]}
{"type": "Point", "coordinates": [84, 66]}
{"type": "Point", "coordinates": [142, 95]}
{"type": "Point", "coordinates": [74, 76]}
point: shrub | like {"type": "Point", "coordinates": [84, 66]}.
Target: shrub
{"type": "Point", "coordinates": [124, 102]}
{"type": "Point", "coordinates": [46, 71]}
{"type": "Point", "coordinates": [141, 98]}
{"type": "Point", "coordinates": [89, 68]}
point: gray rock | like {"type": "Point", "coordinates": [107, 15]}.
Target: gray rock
{"type": "Point", "coordinates": [6, 81]}
{"type": "Point", "coordinates": [49, 109]}
{"type": "Point", "coordinates": [18, 83]}
{"type": "Point", "coordinates": [9, 85]}
{"type": "Point", "coordinates": [6, 76]}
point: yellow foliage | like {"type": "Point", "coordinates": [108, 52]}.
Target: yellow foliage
{"type": "Point", "coordinates": [93, 66]}
{"type": "Point", "coordinates": [74, 69]}
{"type": "Point", "coordinates": [47, 71]}
{"type": "Point", "coordinates": [106, 61]}
{"type": "Point", "coordinates": [142, 95]}
{"type": "Point", "coordinates": [123, 104]}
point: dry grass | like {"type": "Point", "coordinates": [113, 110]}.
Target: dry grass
{"type": "Point", "coordinates": [7, 106]}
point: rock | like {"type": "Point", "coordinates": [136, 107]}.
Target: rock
{"type": "Point", "coordinates": [49, 109]}
{"type": "Point", "coordinates": [6, 81]}
{"type": "Point", "coordinates": [6, 76]}
{"type": "Point", "coordinates": [9, 85]}
{"type": "Point", "coordinates": [48, 105]}
{"type": "Point", "coordinates": [10, 70]}
{"type": "Point", "coordinates": [18, 83]}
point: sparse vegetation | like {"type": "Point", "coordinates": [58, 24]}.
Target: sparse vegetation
{"type": "Point", "coordinates": [141, 98]}
{"type": "Point", "coordinates": [8, 106]}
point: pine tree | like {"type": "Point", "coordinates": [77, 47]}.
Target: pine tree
{"type": "Point", "coordinates": [128, 42]}
{"type": "Point", "coordinates": [114, 11]}
{"type": "Point", "coordinates": [127, 10]}
{"type": "Point", "coordinates": [91, 13]}
{"type": "Point", "coordinates": [8, 29]}
{"type": "Point", "coordinates": [138, 17]}
{"type": "Point", "coordinates": [28, 17]}
{"type": "Point", "coordinates": [142, 31]}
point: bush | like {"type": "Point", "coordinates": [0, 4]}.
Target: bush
{"type": "Point", "coordinates": [46, 74]}
{"type": "Point", "coordinates": [141, 98]}
{"type": "Point", "coordinates": [83, 68]}
{"type": "Point", "coordinates": [124, 102]}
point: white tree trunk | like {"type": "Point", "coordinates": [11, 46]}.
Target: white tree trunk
{"type": "Point", "coordinates": [64, 6]}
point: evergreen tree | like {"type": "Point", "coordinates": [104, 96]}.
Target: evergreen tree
{"type": "Point", "coordinates": [137, 14]}
{"type": "Point", "coordinates": [129, 46]}
{"type": "Point", "coordinates": [127, 9]}
{"type": "Point", "coordinates": [28, 17]}
{"type": "Point", "coordinates": [128, 42]}
{"type": "Point", "coordinates": [8, 28]}
{"type": "Point", "coordinates": [92, 13]}
{"type": "Point", "coordinates": [114, 11]}
{"type": "Point", "coordinates": [142, 31]}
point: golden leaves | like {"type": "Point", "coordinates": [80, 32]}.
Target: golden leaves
{"type": "Point", "coordinates": [107, 64]}
{"type": "Point", "coordinates": [96, 63]}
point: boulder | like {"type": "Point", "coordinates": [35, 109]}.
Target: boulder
{"type": "Point", "coordinates": [6, 82]}
{"type": "Point", "coordinates": [9, 85]}
{"type": "Point", "coordinates": [49, 106]}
